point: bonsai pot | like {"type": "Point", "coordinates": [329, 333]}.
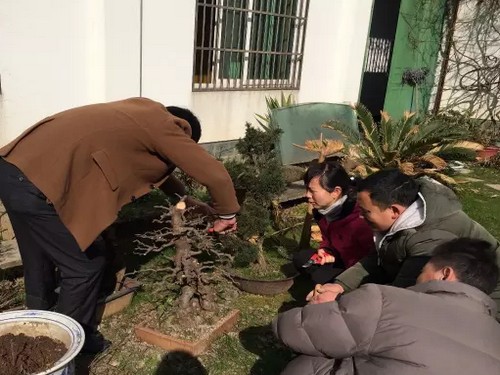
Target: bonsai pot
{"type": "Point", "coordinates": [268, 287]}
{"type": "Point", "coordinates": [118, 300]}
{"type": "Point", "coordinates": [197, 347]}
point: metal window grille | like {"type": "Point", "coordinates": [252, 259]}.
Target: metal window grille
{"type": "Point", "coordinates": [249, 44]}
{"type": "Point", "coordinates": [378, 56]}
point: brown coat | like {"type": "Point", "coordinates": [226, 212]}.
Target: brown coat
{"type": "Point", "coordinates": [92, 160]}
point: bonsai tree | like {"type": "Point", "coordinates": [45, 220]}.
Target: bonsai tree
{"type": "Point", "coordinates": [259, 180]}
{"type": "Point", "coordinates": [196, 267]}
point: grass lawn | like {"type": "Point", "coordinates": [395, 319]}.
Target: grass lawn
{"type": "Point", "coordinates": [251, 348]}
{"type": "Point", "coordinates": [481, 202]}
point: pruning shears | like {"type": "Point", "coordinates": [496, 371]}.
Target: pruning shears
{"type": "Point", "coordinates": [315, 259]}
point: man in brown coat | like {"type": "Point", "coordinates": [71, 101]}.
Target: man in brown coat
{"type": "Point", "coordinates": [64, 180]}
{"type": "Point", "coordinates": [443, 325]}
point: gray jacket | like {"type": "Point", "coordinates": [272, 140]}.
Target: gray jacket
{"type": "Point", "coordinates": [403, 251]}
{"type": "Point", "coordinates": [438, 327]}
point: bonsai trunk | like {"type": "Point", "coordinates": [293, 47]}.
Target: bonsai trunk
{"type": "Point", "coordinates": [194, 293]}
{"type": "Point", "coordinates": [261, 257]}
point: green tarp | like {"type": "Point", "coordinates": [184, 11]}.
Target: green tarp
{"type": "Point", "coordinates": [303, 121]}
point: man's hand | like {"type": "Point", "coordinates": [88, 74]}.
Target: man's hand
{"type": "Point", "coordinates": [199, 207]}
{"type": "Point", "coordinates": [325, 257]}
{"type": "Point", "coordinates": [224, 226]}
{"type": "Point", "coordinates": [324, 293]}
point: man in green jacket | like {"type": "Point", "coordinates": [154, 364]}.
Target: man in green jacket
{"type": "Point", "coordinates": [410, 217]}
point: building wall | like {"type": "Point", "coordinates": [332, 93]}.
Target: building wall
{"type": "Point", "coordinates": [418, 38]}
{"type": "Point", "coordinates": [58, 54]}
{"type": "Point", "coordinates": [471, 82]}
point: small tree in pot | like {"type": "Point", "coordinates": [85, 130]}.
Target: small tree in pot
{"type": "Point", "coordinates": [195, 270]}
{"type": "Point", "coordinates": [259, 178]}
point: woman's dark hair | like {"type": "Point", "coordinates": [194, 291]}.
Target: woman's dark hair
{"type": "Point", "coordinates": [190, 117]}
{"type": "Point", "coordinates": [331, 174]}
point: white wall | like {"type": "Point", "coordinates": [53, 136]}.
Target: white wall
{"type": "Point", "coordinates": [336, 36]}
{"type": "Point", "coordinates": [58, 54]}
{"type": "Point", "coordinates": [122, 52]}
{"type": "Point", "coordinates": [42, 45]}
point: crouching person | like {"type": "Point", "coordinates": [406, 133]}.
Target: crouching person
{"type": "Point", "coordinates": [345, 236]}
{"type": "Point", "coordinates": [443, 325]}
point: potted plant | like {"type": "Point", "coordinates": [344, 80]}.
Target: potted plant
{"type": "Point", "coordinates": [188, 283]}
{"type": "Point", "coordinates": [259, 175]}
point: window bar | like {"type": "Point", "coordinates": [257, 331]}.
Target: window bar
{"type": "Point", "coordinates": [202, 54]}
{"type": "Point", "coordinates": [292, 74]}
{"type": "Point", "coordinates": [256, 56]}
{"type": "Point", "coordinates": [240, 56]}
{"type": "Point", "coordinates": [378, 46]}
{"type": "Point", "coordinates": [263, 12]}
{"type": "Point", "coordinates": [269, 43]}
{"type": "Point", "coordinates": [195, 52]}
{"type": "Point", "coordinates": [295, 59]}
{"type": "Point", "coordinates": [296, 51]}
{"type": "Point", "coordinates": [379, 54]}
{"type": "Point", "coordinates": [262, 70]}
{"type": "Point", "coordinates": [286, 62]}
{"type": "Point", "coordinates": [229, 64]}
{"type": "Point", "coordinates": [223, 54]}
{"type": "Point", "coordinates": [211, 51]}
{"type": "Point", "coordinates": [247, 39]}
{"type": "Point", "coordinates": [303, 37]}
{"type": "Point", "coordinates": [218, 59]}
{"type": "Point", "coordinates": [278, 44]}
{"type": "Point", "coordinates": [290, 32]}
{"type": "Point", "coordinates": [282, 32]}
{"type": "Point", "coordinates": [216, 44]}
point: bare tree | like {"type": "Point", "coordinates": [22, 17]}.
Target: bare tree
{"type": "Point", "coordinates": [469, 78]}
{"type": "Point", "coordinates": [199, 261]}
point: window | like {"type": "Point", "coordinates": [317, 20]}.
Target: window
{"type": "Point", "coordinates": [249, 44]}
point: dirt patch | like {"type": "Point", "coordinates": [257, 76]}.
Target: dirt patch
{"type": "Point", "coordinates": [23, 355]}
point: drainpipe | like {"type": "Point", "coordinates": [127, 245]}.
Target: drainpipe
{"type": "Point", "coordinates": [450, 30]}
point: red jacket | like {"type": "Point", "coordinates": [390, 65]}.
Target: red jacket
{"type": "Point", "coordinates": [346, 235]}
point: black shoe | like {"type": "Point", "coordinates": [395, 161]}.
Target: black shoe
{"type": "Point", "coordinates": [95, 343]}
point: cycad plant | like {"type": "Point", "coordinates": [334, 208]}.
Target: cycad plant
{"type": "Point", "coordinates": [322, 147]}
{"type": "Point", "coordinates": [265, 120]}
{"type": "Point", "coordinates": [413, 145]}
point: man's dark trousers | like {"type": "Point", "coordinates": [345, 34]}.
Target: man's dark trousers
{"type": "Point", "coordinates": [46, 244]}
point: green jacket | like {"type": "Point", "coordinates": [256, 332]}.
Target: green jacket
{"type": "Point", "coordinates": [403, 252]}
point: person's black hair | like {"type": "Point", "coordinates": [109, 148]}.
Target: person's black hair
{"type": "Point", "coordinates": [388, 187]}
{"type": "Point", "coordinates": [473, 261]}
{"type": "Point", "coordinates": [331, 174]}
{"type": "Point", "coordinates": [190, 117]}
